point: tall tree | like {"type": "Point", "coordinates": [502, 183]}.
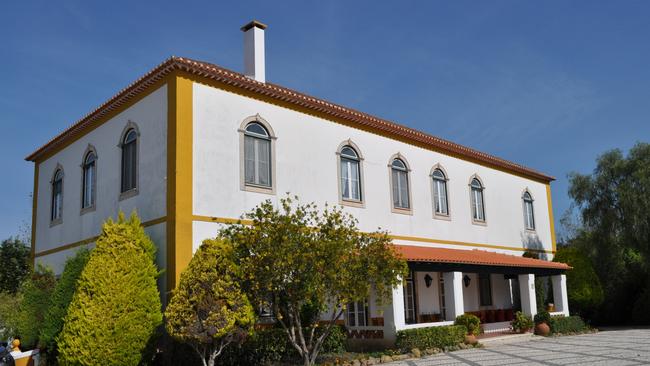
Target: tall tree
{"type": "Point", "coordinates": [208, 309]}
{"type": "Point", "coordinates": [15, 260]}
{"type": "Point", "coordinates": [297, 257]}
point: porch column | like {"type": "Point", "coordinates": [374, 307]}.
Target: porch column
{"type": "Point", "coordinates": [560, 298]}
{"type": "Point", "coordinates": [454, 294]}
{"type": "Point", "coordinates": [527, 292]}
{"type": "Point", "coordinates": [394, 314]}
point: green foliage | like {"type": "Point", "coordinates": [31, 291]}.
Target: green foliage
{"type": "Point", "coordinates": [208, 309]}
{"type": "Point", "coordinates": [542, 317]}
{"type": "Point", "coordinates": [431, 337]}
{"type": "Point", "coordinates": [613, 229]}
{"type": "Point", "coordinates": [471, 322]}
{"type": "Point", "coordinates": [36, 292]}
{"type": "Point", "coordinates": [15, 259]}
{"type": "Point", "coordinates": [115, 310]}
{"type": "Point", "coordinates": [60, 300]}
{"type": "Point", "coordinates": [298, 255]}
{"type": "Point", "coordinates": [335, 340]}
{"type": "Point", "coordinates": [9, 304]}
{"type": "Point", "coordinates": [583, 285]}
{"type": "Point", "coordinates": [567, 324]}
{"type": "Point", "coordinates": [521, 322]}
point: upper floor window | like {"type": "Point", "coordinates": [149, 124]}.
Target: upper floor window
{"type": "Point", "coordinates": [399, 176]}
{"type": "Point", "coordinates": [88, 184]}
{"type": "Point", "coordinates": [57, 195]}
{"type": "Point", "coordinates": [350, 174]}
{"type": "Point", "coordinates": [529, 215]}
{"type": "Point", "coordinates": [257, 155]}
{"type": "Point", "coordinates": [440, 192]}
{"type": "Point", "coordinates": [129, 160]}
{"type": "Point", "coordinates": [478, 206]}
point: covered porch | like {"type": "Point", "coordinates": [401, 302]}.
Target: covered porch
{"type": "Point", "coordinates": [444, 283]}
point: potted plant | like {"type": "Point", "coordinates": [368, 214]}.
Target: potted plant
{"type": "Point", "coordinates": [473, 325]}
{"type": "Point", "coordinates": [542, 321]}
{"type": "Point", "coordinates": [522, 323]}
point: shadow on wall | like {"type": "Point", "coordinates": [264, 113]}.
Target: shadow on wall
{"type": "Point", "coordinates": [534, 246]}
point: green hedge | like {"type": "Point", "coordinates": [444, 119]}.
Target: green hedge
{"type": "Point", "coordinates": [567, 324]}
{"type": "Point", "coordinates": [431, 337]}
{"type": "Point", "coordinates": [270, 346]}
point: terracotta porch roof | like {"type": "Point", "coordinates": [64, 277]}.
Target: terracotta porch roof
{"type": "Point", "coordinates": [473, 257]}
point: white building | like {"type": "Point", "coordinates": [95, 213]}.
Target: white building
{"type": "Point", "coordinates": [192, 146]}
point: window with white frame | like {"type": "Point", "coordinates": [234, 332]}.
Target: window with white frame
{"type": "Point", "coordinates": [478, 207]}
{"type": "Point", "coordinates": [440, 192]}
{"type": "Point", "coordinates": [357, 313]}
{"type": "Point", "coordinates": [257, 155]}
{"type": "Point", "coordinates": [529, 215]}
{"type": "Point", "coordinates": [350, 174]}
{"type": "Point", "coordinates": [399, 174]}
{"type": "Point", "coordinates": [129, 160]}
{"type": "Point", "coordinates": [88, 183]}
{"type": "Point", "coordinates": [57, 195]}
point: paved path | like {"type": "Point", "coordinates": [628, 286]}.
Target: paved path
{"type": "Point", "coordinates": [615, 347]}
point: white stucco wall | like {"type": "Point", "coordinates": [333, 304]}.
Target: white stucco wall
{"type": "Point", "coordinates": [150, 116]}
{"type": "Point", "coordinates": [306, 165]}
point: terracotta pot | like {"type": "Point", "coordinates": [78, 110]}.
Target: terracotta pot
{"type": "Point", "coordinates": [471, 339]}
{"type": "Point", "coordinates": [542, 329]}
{"type": "Point", "coordinates": [501, 316]}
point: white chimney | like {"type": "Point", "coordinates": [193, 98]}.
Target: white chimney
{"type": "Point", "coordinates": [254, 50]}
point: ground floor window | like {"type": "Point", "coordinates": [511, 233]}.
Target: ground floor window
{"type": "Point", "coordinates": [410, 311]}
{"type": "Point", "coordinates": [485, 289]}
{"type": "Point", "coordinates": [357, 313]}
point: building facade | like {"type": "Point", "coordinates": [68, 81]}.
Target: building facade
{"type": "Point", "coordinates": [192, 146]}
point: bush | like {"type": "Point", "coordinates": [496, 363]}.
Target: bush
{"type": "Point", "coordinates": [36, 292]}
{"type": "Point", "coordinates": [567, 324]}
{"type": "Point", "coordinates": [431, 337]}
{"type": "Point", "coordinates": [471, 322]}
{"type": "Point", "coordinates": [9, 304]}
{"type": "Point", "coordinates": [522, 322]}
{"type": "Point", "coordinates": [542, 317]}
{"type": "Point", "coordinates": [335, 341]}
{"type": "Point", "coordinates": [583, 285]}
{"type": "Point", "coordinates": [61, 298]}
{"type": "Point", "coordinates": [115, 310]}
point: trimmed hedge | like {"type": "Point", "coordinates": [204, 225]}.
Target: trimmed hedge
{"type": "Point", "coordinates": [270, 346]}
{"type": "Point", "coordinates": [431, 337]}
{"type": "Point", "coordinates": [567, 324]}
{"type": "Point", "coordinates": [471, 322]}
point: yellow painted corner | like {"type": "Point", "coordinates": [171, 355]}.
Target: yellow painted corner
{"type": "Point", "coordinates": [550, 217]}
{"type": "Point", "coordinates": [34, 206]}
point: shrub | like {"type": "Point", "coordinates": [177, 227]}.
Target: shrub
{"type": "Point", "coordinates": [567, 324]}
{"type": "Point", "coordinates": [115, 310]}
{"type": "Point", "coordinates": [471, 322]}
{"type": "Point", "coordinates": [9, 304]}
{"type": "Point", "coordinates": [431, 337]}
{"type": "Point", "coordinates": [61, 298]}
{"type": "Point", "coordinates": [542, 317]}
{"type": "Point", "coordinates": [36, 292]}
{"type": "Point", "coordinates": [522, 322]}
{"type": "Point", "coordinates": [335, 341]}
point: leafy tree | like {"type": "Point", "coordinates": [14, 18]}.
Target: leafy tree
{"type": "Point", "coordinates": [9, 304]}
{"type": "Point", "coordinates": [15, 259]}
{"type": "Point", "coordinates": [208, 309]}
{"type": "Point", "coordinates": [614, 227]}
{"type": "Point", "coordinates": [36, 292]}
{"type": "Point", "coordinates": [60, 300]}
{"type": "Point", "coordinates": [115, 310]}
{"type": "Point", "coordinates": [583, 285]}
{"type": "Point", "coordinates": [297, 256]}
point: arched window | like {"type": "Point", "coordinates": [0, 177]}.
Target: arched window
{"type": "Point", "coordinates": [478, 207]}
{"type": "Point", "coordinates": [350, 174]}
{"type": "Point", "coordinates": [129, 160]}
{"type": "Point", "coordinates": [257, 155]}
{"type": "Point", "coordinates": [529, 215]}
{"type": "Point", "coordinates": [440, 192]}
{"type": "Point", "coordinates": [88, 184]}
{"type": "Point", "coordinates": [57, 195]}
{"type": "Point", "coordinates": [399, 176]}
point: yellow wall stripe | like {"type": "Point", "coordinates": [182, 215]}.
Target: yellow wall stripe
{"type": "Point", "coordinates": [550, 217]}
{"type": "Point", "coordinates": [34, 206]}
{"type": "Point", "coordinates": [226, 220]}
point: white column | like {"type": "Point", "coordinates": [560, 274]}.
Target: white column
{"type": "Point", "coordinates": [394, 313]}
{"type": "Point", "coordinates": [560, 297]}
{"type": "Point", "coordinates": [527, 292]}
{"type": "Point", "coordinates": [454, 294]}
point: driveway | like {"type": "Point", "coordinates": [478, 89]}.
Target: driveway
{"type": "Point", "coordinates": [612, 347]}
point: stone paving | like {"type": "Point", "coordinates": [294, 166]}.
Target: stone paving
{"type": "Point", "coordinates": [613, 347]}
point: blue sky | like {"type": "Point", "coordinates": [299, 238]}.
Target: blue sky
{"type": "Point", "coordinates": [550, 84]}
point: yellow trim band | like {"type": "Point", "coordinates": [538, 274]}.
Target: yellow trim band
{"type": "Point", "coordinates": [34, 206]}
{"type": "Point", "coordinates": [550, 217]}
{"type": "Point", "coordinates": [226, 220]}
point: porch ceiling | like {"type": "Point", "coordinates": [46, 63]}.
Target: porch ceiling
{"type": "Point", "coordinates": [446, 260]}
